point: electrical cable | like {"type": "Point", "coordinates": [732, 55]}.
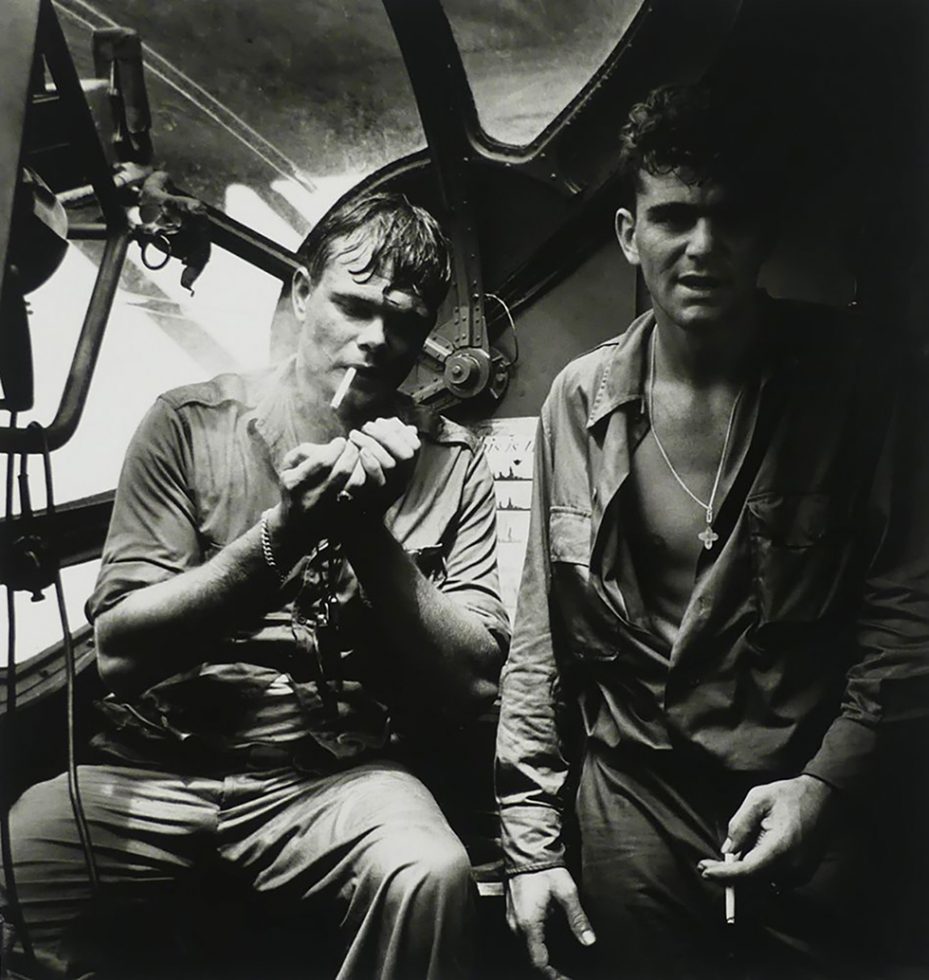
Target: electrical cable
{"type": "Point", "coordinates": [10, 466]}
{"type": "Point", "coordinates": [14, 907]}
{"type": "Point", "coordinates": [512, 323]}
{"type": "Point", "coordinates": [74, 792]}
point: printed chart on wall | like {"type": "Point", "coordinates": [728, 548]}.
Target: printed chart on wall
{"type": "Point", "coordinates": [508, 444]}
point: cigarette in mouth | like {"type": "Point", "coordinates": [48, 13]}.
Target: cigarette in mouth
{"type": "Point", "coordinates": [344, 385]}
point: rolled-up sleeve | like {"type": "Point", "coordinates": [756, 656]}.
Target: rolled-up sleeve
{"type": "Point", "coordinates": [153, 532]}
{"type": "Point", "coordinates": [887, 682]}
{"type": "Point", "coordinates": [471, 577]}
{"type": "Point", "coordinates": [531, 769]}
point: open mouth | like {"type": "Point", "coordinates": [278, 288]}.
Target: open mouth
{"type": "Point", "coordinates": [700, 283]}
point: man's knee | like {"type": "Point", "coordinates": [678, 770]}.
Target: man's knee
{"type": "Point", "coordinates": [43, 801]}
{"type": "Point", "coordinates": [428, 866]}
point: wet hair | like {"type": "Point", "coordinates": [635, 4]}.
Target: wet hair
{"type": "Point", "coordinates": [398, 240]}
{"type": "Point", "coordinates": [706, 133]}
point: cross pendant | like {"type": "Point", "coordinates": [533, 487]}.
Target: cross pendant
{"type": "Point", "coordinates": [708, 536]}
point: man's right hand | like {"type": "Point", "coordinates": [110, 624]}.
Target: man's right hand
{"type": "Point", "coordinates": [311, 478]}
{"type": "Point", "coordinates": [530, 897]}
{"type": "Point", "coordinates": [387, 450]}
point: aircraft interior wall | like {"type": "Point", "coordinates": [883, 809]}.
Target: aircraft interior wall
{"type": "Point", "coordinates": [593, 303]}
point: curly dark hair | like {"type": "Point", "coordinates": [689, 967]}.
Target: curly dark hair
{"type": "Point", "coordinates": [405, 241]}
{"type": "Point", "coordinates": [704, 133]}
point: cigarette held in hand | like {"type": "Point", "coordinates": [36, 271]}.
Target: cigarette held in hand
{"type": "Point", "coordinates": [342, 390]}
{"type": "Point", "coordinates": [730, 895]}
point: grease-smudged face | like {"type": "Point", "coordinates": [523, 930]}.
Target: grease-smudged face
{"type": "Point", "coordinates": [361, 321]}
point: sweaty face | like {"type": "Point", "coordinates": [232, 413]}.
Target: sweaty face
{"type": "Point", "coordinates": [357, 320]}
{"type": "Point", "coordinates": [700, 249]}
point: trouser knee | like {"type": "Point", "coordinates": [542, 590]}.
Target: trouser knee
{"type": "Point", "coordinates": [432, 871]}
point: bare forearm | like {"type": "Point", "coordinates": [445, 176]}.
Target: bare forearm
{"type": "Point", "coordinates": [166, 627]}
{"type": "Point", "coordinates": [443, 644]}
{"type": "Point", "coordinates": [161, 629]}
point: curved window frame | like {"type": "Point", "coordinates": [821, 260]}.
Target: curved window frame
{"type": "Point", "coordinates": [492, 146]}
{"type": "Point", "coordinates": [495, 145]}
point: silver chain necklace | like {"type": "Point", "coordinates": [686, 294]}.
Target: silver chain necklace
{"type": "Point", "coordinates": [707, 536]}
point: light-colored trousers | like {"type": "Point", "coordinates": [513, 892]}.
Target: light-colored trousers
{"type": "Point", "coordinates": [366, 851]}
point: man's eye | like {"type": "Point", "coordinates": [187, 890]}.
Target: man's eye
{"type": "Point", "coordinates": [674, 220]}
{"type": "Point", "coordinates": [407, 325]}
{"type": "Point", "coordinates": [353, 310]}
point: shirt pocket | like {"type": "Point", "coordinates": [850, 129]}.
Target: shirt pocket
{"type": "Point", "coordinates": [579, 612]}
{"type": "Point", "coordinates": [801, 553]}
{"type": "Point", "coordinates": [569, 536]}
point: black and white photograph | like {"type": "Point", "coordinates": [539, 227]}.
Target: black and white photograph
{"type": "Point", "coordinates": [465, 490]}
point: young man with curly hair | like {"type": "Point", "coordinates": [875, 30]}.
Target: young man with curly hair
{"type": "Point", "coordinates": [725, 592]}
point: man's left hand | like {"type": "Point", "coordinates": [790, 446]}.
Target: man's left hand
{"type": "Point", "coordinates": [387, 454]}
{"type": "Point", "coordinates": [777, 830]}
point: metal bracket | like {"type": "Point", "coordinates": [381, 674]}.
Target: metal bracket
{"type": "Point", "coordinates": [48, 41]}
{"type": "Point", "coordinates": [446, 108]}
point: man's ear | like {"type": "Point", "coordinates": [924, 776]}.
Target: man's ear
{"type": "Point", "coordinates": [625, 235]}
{"type": "Point", "coordinates": [300, 290]}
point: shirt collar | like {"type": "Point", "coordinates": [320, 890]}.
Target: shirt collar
{"type": "Point", "coordinates": [282, 416]}
{"type": "Point", "coordinates": [624, 376]}
{"type": "Point", "coordinates": [279, 414]}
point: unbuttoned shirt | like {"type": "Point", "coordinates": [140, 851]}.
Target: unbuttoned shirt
{"type": "Point", "coordinates": [808, 625]}
{"type": "Point", "coordinates": [199, 472]}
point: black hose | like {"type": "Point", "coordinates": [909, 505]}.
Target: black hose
{"type": "Point", "coordinates": [74, 791]}
{"type": "Point", "coordinates": [14, 909]}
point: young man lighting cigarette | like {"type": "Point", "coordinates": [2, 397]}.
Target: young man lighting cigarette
{"type": "Point", "coordinates": [267, 650]}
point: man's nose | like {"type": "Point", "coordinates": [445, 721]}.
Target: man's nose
{"type": "Point", "coordinates": [703, 238]}
{"type": "Point", "coordinates": [373, 337]}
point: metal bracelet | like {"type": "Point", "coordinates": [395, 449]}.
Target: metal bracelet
{"type": "Point", "coordinates": [266, 550]}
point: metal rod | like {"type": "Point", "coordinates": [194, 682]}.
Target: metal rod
{"type": "Point", "coordinates": [17, 51]}
{"type": "Point", "coordinates": [75, 531]}
{"type": "Point", "coordinates": [251, 246]}
{"type": "Point", "coordinates": [88, 231]}
{"type": "Point", "coordinates": [75, 110]}
{"type": "Point", "coordinates": [84, 361]}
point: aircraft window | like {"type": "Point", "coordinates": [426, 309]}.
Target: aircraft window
{"type": "Point", "coordinates": [38, 625]}
{"type": "Point", "coordinates": [526, 59]}
{"type": "Point", "coordinates": [297, 103]}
